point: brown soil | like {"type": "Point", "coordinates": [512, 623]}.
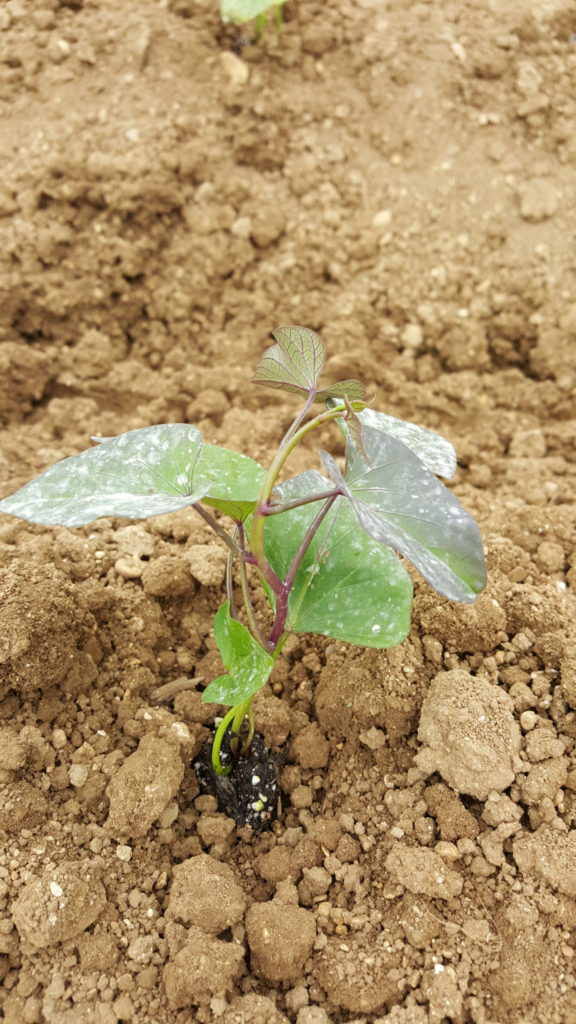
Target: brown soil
{"type": "Point", "coordinates": [400, 177]}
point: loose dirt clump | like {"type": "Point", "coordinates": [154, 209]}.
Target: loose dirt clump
{"type": "Point", "coordinates": [199, 967]}
{"type": "Point", "coordinates": [469, 734]}
{"type": "Point", "coordinates": [143, 787]}
{"type": "Point", "coordinates": [400, 178]}
{"type": "Point", "coordinates": [205, 892]}
{"type": "Point", "coordinates": [280, 936]}
{"type": "Point", "coordinates": [60, 904]}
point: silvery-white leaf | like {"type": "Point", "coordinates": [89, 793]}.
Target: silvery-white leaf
{"type": "Point", "coordinates": [138, 474]}
{"type": "Point", "coordinates": [400, 503]}
{"type": "Point", "coordinates": [437, 454]}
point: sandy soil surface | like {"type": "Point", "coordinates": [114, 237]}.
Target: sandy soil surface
{"type": "Point", "coordinates": [398, 176]}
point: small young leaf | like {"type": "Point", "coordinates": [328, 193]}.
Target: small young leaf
{"type": "Point", "coordinates": [353, 390]}
{"type": "Point", "coordinates": [248, 664]}
{"type": "Point", "coordinates": [294, 363]}
{"type": "Point", "coordinates": [240, 11]}
{"type": "Point", "coordinates": [434, 451]}
{"type": "Point", "coordinates": [354, 428]}
{"type": "Point", "coordinates": [232, 638]}
{"type": "Point", "coordinates": [349, 586]}
{"type": "Point", "coordinates": [138, 474]}
{"type": "Point", "coordinates": [398, 502]}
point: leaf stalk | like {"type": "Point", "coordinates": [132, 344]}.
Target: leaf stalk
{"type": "Point", "coordinates": [270, 480]}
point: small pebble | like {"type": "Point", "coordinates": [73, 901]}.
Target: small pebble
{"type": "Point", "coordinates": [78, 774]}
{"type": "Point", "coordinates": [412, 336]}
{"type": "Point", "coordinates": [448, 851]}
{"type": "Point", "coordinates": [373, 738]}
{"type": "Point", "coordinates": [235, 70]}
{"type": "Point", "coordinates": [528, 720]}
{"type": "Point", "coordinates": [58, 739]}
{"type": "Point", "coordinates": [382, 219]}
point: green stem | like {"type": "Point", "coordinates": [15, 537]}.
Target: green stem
{"type": "Point", "coordinates": [217, 744]}
{"type": "Point", "coordinates": [243, 711]}
{"type": "Point", "coordinates": [254, 627]}
{"type": "Point", "coordinates": [234, 717]}
{"type": "Point", "coordinates": [285, 450]}
{"type": "Point", "coordinates": [260, 24]}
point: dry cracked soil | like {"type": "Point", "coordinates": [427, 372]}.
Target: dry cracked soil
{"type": "Point", "coordinates": [400, 177]}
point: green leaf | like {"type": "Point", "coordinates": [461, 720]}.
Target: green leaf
{"type": "Point", "coordinates": [434, 451]}
{"type": "Point", "coordinates": [353, 390]}
{"type": "Point", "coordinates": [353, 428]}
{"type": "Point", "coordinates": [234, 480]}
{"type": "Point", "coordinates": [240, 11]}
{"type": "Point", "coordinates": [294, 363]}
{"type": "Point", "coordinates": [248, 664]}
{"type": "Point", "coordinates": [348, 586]}
{"type": "Point", "coordinates": [138, 474]}
{"type": "Point", "coordinates": [400, 503]}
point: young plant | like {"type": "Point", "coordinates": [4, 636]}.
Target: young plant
{"type": "Point", "coordinates": [321, 545]}
{"type": "Point", "coordinates": [241, 11]}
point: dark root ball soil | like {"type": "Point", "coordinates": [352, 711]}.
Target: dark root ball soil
{"type": "Point", "coordinates": [250, 793]}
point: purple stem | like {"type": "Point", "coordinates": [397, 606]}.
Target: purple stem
{"type": "Point", "coordinates": [274, 510]}
{"type": "Point", "coordinates": [288, 582]}
{"type": "Point", "coordinates": [307, 539]}
{"type": "Point", "coordinates": [215, 525]}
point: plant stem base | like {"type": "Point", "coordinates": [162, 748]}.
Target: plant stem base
{"type": "Point", "coordinates": [250, 794]}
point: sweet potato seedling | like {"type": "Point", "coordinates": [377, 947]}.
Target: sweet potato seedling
{"type": "Point", "coordinates": [241, 11]}
{"type": "Point", "coordinates": [322, 545]}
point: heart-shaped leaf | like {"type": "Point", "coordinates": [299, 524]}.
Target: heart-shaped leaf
{"type": "Point", "coordinates": [348, 586]}
{"type": "Point", "coordinates": [434, 451]}
{"type": "Point", "coordinates": [138, 474]}
{"type": "Point", "coordinates": [400, 503]}
{"type": "Point", "coordinates": [294, 363]}
{"type": "Point", "coordinates": [248, 664]}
